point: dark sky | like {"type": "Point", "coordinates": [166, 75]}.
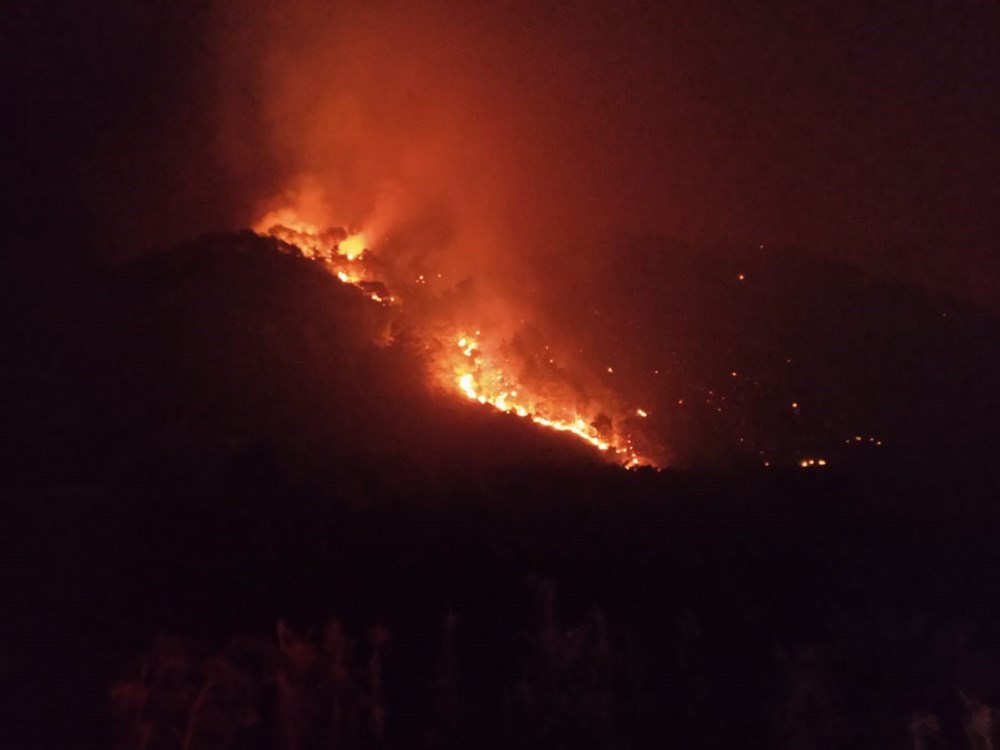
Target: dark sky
{"type": "Point", "coordinates": [862, 130]}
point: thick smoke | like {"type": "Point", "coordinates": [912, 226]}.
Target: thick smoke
{"type": "Point", "coordinates": [481, 147]}
{"type": "Point", "coordinates": [475, 126]}
{"type": "Point", "coordinates": [862, 130]}
{"type": "Point", "coordinates": [528, 137]}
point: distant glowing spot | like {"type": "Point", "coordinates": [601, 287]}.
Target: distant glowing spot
{"type": "Point", "coordinates": [795, 404]}
{"type": "Point", "coordinates": [611, 370]}
{"type": "Point", "coordinates": [734, 373]}
{"type": "Point", "coordinates": [821, 462]}
{"type": "Point", "coordinates": [343, 277]}
{"type": "Point", "coordinates": [742, 277]}
{"type": "Point", "coordinates": [641, 413]}
{"type": "Point", "coordinates": [680, 402]}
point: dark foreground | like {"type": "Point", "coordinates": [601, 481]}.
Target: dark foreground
{"type": "Point", "coordinates": [215, 483]}
{"type": "Point", "coordinates": [527, 608]}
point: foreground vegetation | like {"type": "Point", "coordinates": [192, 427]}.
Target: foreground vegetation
{"type": "Point", "coordinates": [536, 608]}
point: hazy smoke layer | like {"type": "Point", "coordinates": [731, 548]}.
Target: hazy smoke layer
{"type": "Point", "coordinates": [861, 130]}
{"type": "Point", "coordinates": [501, 125]}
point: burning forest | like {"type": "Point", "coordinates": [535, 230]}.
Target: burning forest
{"type": "Point", "coordinates": [460, 374]}
{"type": "Point", "coordinates": [564, 248]}
{"type": "Point", "coordinates": [466, 360]}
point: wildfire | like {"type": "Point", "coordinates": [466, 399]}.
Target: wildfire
{"type": "Point", "coordinates": [464, 365]}
{"type": "Point", "coordinates": [481, 380]}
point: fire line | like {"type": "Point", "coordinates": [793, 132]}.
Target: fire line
{"type": "Point", "coordinates": [466, 367]}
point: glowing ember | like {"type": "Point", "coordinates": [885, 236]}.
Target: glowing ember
{"type": "Point", "coordinates": [808, 463]}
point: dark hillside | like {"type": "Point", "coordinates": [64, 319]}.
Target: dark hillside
{"type": "Point", "coordinates": [218, 437]}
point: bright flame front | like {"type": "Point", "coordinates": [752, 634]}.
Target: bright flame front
{"type": "Point", "coordinates": [465, 365]}
{"type": "Point", "coordinates": [476, 376]}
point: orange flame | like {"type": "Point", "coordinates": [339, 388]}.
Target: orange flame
{"type": "Point", "coordinates": [481, 380]}
{"type": "Point", "coordinates": [353, 247]}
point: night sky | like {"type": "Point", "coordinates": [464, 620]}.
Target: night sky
{"type": "Point", "coordinates": [862, 130]}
